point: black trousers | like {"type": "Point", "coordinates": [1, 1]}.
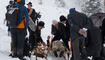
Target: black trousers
{"type": "Point", "coordinates": [78, 52]}
{"type": "Point", "coordinates": [65, 40]}
{"type": "Point", "coordinates": [17, 41]}
{"type": "Point", "coordinates": [31, 38]}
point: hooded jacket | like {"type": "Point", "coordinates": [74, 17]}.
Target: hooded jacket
{"type": "Point", "coordinates": [77, 21]}
{"type": "Point", "coordinates": [23, 15]}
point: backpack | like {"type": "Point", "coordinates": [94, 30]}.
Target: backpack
{"type": "Point", "coordinates": [12, 16]}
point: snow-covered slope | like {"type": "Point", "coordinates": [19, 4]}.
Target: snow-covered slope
{"type": "Point", "coordinates": [49, 12]}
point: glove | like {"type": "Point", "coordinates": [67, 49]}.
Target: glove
{"type": "Point", "coordinates": [83, 32]}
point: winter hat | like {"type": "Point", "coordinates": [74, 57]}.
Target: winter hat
{"type": "Point", "coordinates": [18, 0]}
{"type": "Point", "coordinates": [30, 3]}
{"type": "Point", "coordinates": [11, 2]}
{"type": "Point", "coordinates": [41, 23]}
{"type": "Point", "coordinates": [72, 10]}
{"type": "Point", "coordinates": [54, 22]}
{"type": "Point", "coordinates": [22, 2]}
{"type": "Point", "coordinates": [62, 18]}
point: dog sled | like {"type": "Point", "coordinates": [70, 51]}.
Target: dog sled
{"type": "Point", "coordinates": [58, 49]}
{"type": "Point", "coordinates": [44, 51]}
{"type": "Point", "coordinates": [40, 51]}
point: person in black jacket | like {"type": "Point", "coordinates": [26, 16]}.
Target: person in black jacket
{"type": "Point", "coordinates": [63, 30]}
{"type": "Point", "coordinates": [103, 30]}
{"type": "Point", "coordinates": [101, 43]}
{"type": "Point", "coordinates": [55, 31]}
{"type": "Point", "coordinates": [37, 35]}
{"type": "Point", "coordinates": [8, 8]}
{"type": "Point", "coordinates": [60, 32]}
{"type": "Point", "coordinates": [31, 13]}
{"type": "Point", "coordinates": [78, 27]}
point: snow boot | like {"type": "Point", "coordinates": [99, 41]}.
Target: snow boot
{"type": "Point", "coordinates": [13, 55]}
{"type": "Point", "coordinates": [21, 58]}
{"type": "Point", "coordinates": [62, 53]}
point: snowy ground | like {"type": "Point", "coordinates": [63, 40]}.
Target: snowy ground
{"type": "Point", "coordinates": [49, 12]}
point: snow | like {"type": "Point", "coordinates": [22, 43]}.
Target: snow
{"type": "Point", "coordinates": [49, 12]}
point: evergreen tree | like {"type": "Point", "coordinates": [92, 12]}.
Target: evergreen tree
{"type": "Point", "coordinates": [91, 7]}
{"type": "Point", "coordinates": [40, 2]}
{"type": "Point", "coordinates": [60, 3]}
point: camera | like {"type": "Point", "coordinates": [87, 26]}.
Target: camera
{"type": "Point", "coordinates": [38, 16]}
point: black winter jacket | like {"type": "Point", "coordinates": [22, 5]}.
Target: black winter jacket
{"type": "Point", "coordinates": [59, 33]}
{"type": "Point", "coordinates": [38, 37]}
{"type": "Point", "coordinates": [33, 15]}
{"type": "Point", "coordinates": [77, 21]}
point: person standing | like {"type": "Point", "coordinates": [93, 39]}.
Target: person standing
{"type": "Point", "coordinates": [78, 32]}
{"type": "Point", "coordinates": [31, 13]}
{"type": "Point", "coordinates": [7, 8]}
{"type": "Point", "coordinates": [18, 33]}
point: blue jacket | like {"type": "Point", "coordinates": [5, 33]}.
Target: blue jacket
{"type": "Point", "coordinates": [23, 11]}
